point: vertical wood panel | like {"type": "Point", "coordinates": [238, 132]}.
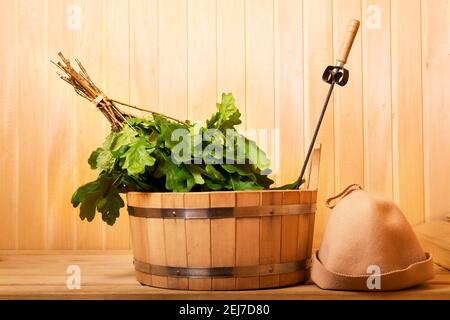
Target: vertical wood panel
{"type": "Point", "coordinates": [289, 115]}
{"type": "Point", "coordinates": [144, 87]}
{"type": "Point", "coordinates": [348, 106]}
{"type": "Point", "coordinates": [436, 107]}
{"type": "Point", "coordinates": [173, 75]}
{"type": "Point", "coordinates": [179, 55]}
{"type": "Point", "coordinates": [9, 163]}
{"type": "Point", "coordinates": [231, 50]}
{"type": "Point", "coordinates": [318, 53]}
{"type": "Point", "coordinates": [144, 91]}
{"type": "Point", "coordinates": [88, 121]}
{"type": "Point", "coordinates": [260, 94]}
{"type": "Point", "coordinates": [407, 107]}
{"type": "Point", "coordinates": [60, 134]}
{"type": "Point", "coordinates": [377, 99]}
{"type": "Point", "coordinates": [117, 79]}
{"type": "Point", "coordinates": [201, 59]}
{"type": "Point", "coordinates": [32, 108]}
{"type": "Point", "coordinates": [425, 112]}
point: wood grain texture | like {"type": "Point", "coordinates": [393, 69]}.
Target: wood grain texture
{"type": "Point", "coordinates": [306, 227]}
{"type": "Point", "coordinates": [202, 75]}
{"type": "Point", "coordinates": [407, 105]}
{"type": "Point", "coordinates": [117, 59]}
{"type": "Point", "coordinates": [140, 239]}
{"type": "Point", "coordinates": [196, 200]}
{"type": "Point", "coordinates": [259, 63]}
{"type": "Point", "coordinates": [260, 95]}
{"type": "Point", "coordinates": [32, 108]}
{"type": "Point", "coordinates": [312, 180]}
{"type": "Point", "coordinates": [89, 125]}
{"type": "Point", "coordinates": [377, 98]}
{"type": "Point", "coordinates": [247, 240]}
{"type": "Point", "coordinates": [221, 242]}
{"type": "Point", "coordinates": [223, 239]}
{"type": "Point", "coordinates": [386, 129]}
{"type": "Point", "coordinates": [348, 106]}
{"type": "Point", "coordinates": [289, 247]}
{"type": "Point", "coordinates": [231, 48]}
{"type": "Point", "coordinates": [60, 137]}
{"type": "Point", "coordinates": [270, 248]}
{"type": "Point", "coordinates": [318, 53]}
{"type": "Point", "coordinates": [223, 250]}
{"type": "Point", "coordinates": [176, 251]}
{"type": "Point", "coordinates": [150, 200]}
{"type": "Point", "coordinates": [9, 97]}
{"type": "Point", "coordinates": [111, 276]}
{"type": "Point", "coordinates": [436, 74]}
{"type": "Point", "coordinates": [311, 231]}
{"type": "Point", "coordinates": [172, 200]}
{"type": "Point", "coordinates": [173, 76]}
{"type": "Point", "coordinates": [157, 247]}
{"type": "Point", "coordinates": [248, 198]}
{"type": "Point", "coordinates": [435, 238]}
{"type": "Point", "coordinates": [289, 109]}
{"type": "Point", "coordinates": [222, 199]}
{"type": "Point", "coordinates": [144, 54]}
{"type": "Point", "coordinates": [198, 240]}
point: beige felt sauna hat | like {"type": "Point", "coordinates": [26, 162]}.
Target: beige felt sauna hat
{"type": "Point", "coordinates": [368, 245]}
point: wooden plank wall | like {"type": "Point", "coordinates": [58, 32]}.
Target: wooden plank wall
{"type": "Point", "coordinates": [387, 129]}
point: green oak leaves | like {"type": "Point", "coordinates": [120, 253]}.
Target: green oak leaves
{"type": "Point", "coordinates": [157, 154]}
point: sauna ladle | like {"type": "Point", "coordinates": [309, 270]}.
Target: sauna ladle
{"type": "Point", "coordinates": [333, 75]}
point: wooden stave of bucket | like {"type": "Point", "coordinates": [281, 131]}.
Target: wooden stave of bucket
{"type": "Point", "coordinates": [179, 244]}
{"type": "Point", "coordinates": [273, 241]}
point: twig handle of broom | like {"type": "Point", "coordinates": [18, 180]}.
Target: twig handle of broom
{"type": "Point", "coordinates": [347, 44]}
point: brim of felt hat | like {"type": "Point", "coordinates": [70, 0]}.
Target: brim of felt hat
{"type": "Point", "coordinates": [413, 275]}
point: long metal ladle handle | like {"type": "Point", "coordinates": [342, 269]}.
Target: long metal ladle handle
{"type": "Point", "coordinates": [341, 60]}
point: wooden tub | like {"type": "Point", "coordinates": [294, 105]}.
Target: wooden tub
{"type": "Point", "coordinates": [224, 240]}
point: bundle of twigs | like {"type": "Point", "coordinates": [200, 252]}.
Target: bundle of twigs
{"type": "Point", "coordinates": [85, 87]}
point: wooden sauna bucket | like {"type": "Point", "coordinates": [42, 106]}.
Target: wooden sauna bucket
{"type": "Point", "coordinates": [224, 240]}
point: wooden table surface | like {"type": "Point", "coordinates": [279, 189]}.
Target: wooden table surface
{"type": "Point", "coordinates": [43, 275]}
